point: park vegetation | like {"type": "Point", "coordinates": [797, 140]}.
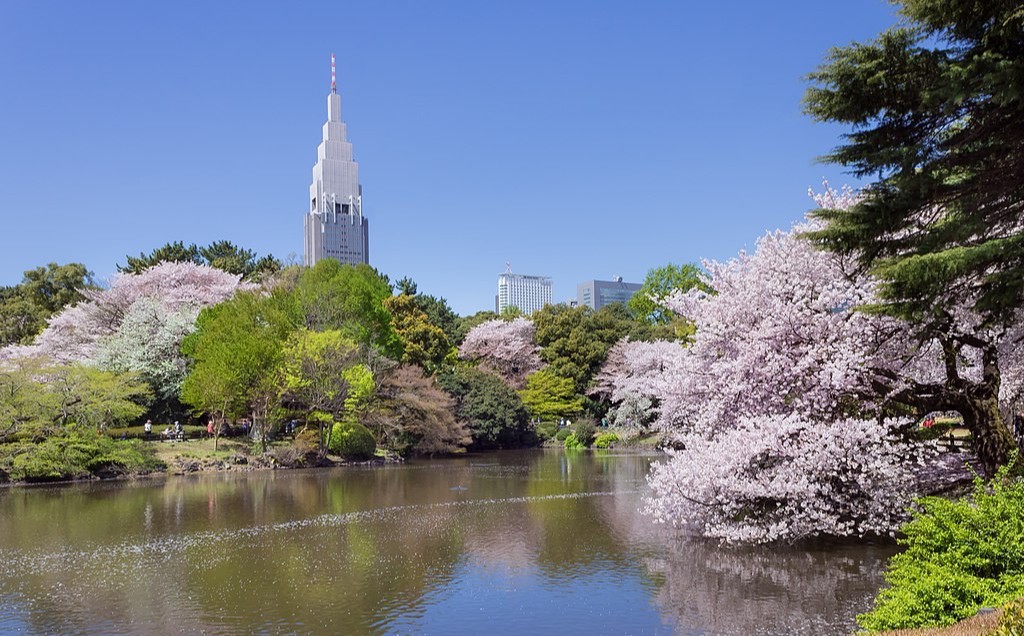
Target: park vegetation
{"type": "Point", "coordinates": [309, 362]}
{"type": "Point", "coordinates": [793, 386]}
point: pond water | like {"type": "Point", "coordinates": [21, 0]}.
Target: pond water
{"type": "Point", "coordinates": [526, 542]}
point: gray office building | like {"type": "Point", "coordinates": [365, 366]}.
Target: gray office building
{"type": "Point", "coordinates": [335, 226]}
{"type": "Point", "coordinates": [598, 293]}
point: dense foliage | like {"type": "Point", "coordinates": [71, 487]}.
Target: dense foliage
{"type": "Point", "coordinates": [494, 413]}
{"type": "Point", "coordinates": [648, 303]}
{"type": "Point", "coordinates": [549, 396]}
{"type": "Point", "coordinates": [74, 453]}
{"type": "Point", "coordinates": [39, 398]}
{"type": "Point", "coordinates": [960, 555]}
{"type": "Point", "coordinates": [781, 373]}
{"type": "Point", "coordinates": [234, 351]}
{"type": "Point", "coordinates": [1011, 623]}
{"type": "Point", "coordinates": [43, 292]}
{"type": "Point", "coordinates": [574, 341]}
{"type": "Point", "coordinates": [222, 255]}
{"type": "Point", "coordinates": [936, 109]}
{"type": "Point", "coordinates": [352, 440]}
{"type": "Point", "coordinates": [423, 342]}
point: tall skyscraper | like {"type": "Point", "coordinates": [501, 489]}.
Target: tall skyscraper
{"type": "Point", "coordinates": [335, 226]}
{"type": "Point", "coordinates": [528, 293]}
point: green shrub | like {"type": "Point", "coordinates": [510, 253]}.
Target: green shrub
{"type": "Point", "coordinates": [585, 431]}
{"type": "Point", "coordinates": [562, 434]}
{"type": "Point", "coordinates": [961, 555]}
{"type": "Point", "coordinates": [573, 442]}
{"type": "Point", "coordinates": [605, 440]}
{"type": "Point", "coordinates": [132, 456]}
{"type": "Point", "coordinates": [75, 454]}
{"type": "Point", "coordinates": [352, 440]}
{"type": "Point", "coordinates": [1011, 623]}
{"type": "Point", "coordinates": [494, 412]}
{"type": "Point", "coordinates": [547, 430]}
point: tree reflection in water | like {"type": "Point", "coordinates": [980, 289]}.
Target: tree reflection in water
{"type": "Point", "coordinates": [507, 543]}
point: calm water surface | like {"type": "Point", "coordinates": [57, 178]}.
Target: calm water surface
{"type": "Point", "coordinates": [531, 542]}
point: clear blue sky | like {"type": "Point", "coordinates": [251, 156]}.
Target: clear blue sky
{"type": "Point", "coordinates": [577, 140]}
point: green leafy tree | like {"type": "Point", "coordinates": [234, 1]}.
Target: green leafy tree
{"type": "Point", "coordinates": [437, 310]}
{"type": "Point", "coordinates": [494, 412]}
{"type": "Point", "coordinates": [350, 298]}
{"type": "Point", "coordinates": [43, 291]}
{"type": "Point", "coordinates": [312, 369]}
{"type": "Point", "coordinates": [936, 108]}
{"type": "Point", "coordinates": [39, 399]}
{"type": "Point", "coordinates": [575, 341]}
{"type": "Point", "coordinates": [235, 349]}
{"type": "Point", "coordinates": [93, 397]}
{"type": "Point", "coordinates": [648, 303]}
{"type": "Point", "coordinates": [442, 316]}
{"type": "Point", "coordinates": [423, 343]}
{"type": "Point", "coordinates": [361, 388]}
{"type": "Point", "coordinates": [549, 396]}
{"type": "Point", "coordinates": [27, 408]}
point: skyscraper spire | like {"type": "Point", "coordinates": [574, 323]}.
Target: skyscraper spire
{"type": "Point", "coordinates": [334, 76]}
{"type": "Point", "coordinates": [335, 226]}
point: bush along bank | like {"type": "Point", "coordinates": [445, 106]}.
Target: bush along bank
{"type": "Point", "coordinates": [77, 453]}
{"type": "Point", "coordinates": [961, 555]}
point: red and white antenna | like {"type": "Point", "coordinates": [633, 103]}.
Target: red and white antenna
{"type": "Point", "coordinates": [334, 76]}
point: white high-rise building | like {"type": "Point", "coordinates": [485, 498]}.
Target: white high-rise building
{"type": "Point", "coordinates": [528, 293]}
{"type": "Point", "coordinates": [335, 226]}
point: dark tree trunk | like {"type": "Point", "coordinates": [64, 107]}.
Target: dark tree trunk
{"type": "Point", "coordinates": [992, 440]}
{"type": "Point", "coordinates": [978, 403]}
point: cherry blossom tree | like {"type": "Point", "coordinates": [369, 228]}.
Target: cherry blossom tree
{"type": "Point", "coordinates": [504, 347]}
{"type": "Point", "coordinates": [633, 379]}
{"type": "Point", "coordinates": [76, 333]}
{"type": "Point", "coordinates": [148, 343]}
{"type": "Point", "coordinates": [789, 401]}
{"type": "Point", "coordinates": [787, 478]}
